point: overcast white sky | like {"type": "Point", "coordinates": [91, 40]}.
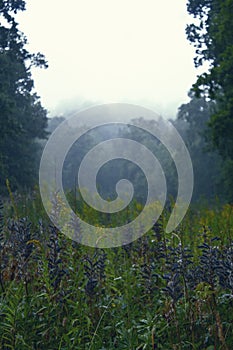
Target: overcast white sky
{"type": "Point", "coordinates": [132, 51]}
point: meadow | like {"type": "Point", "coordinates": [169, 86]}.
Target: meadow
{"type": "Point", "coordinates": [163, 291]}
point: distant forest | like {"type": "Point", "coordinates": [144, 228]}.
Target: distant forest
{"type": "Point", "coordinates": [205, 122]}
{"type": "Point", "coordinates": [210, 170]}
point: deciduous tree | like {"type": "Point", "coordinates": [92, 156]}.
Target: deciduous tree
{"type": "Point", "coordinates": [211, 34]}
{"type": "Point", "coordinates": [22, 118]}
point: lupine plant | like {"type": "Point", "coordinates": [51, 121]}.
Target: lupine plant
{"type": "Point", "coordinates": [163, 291]}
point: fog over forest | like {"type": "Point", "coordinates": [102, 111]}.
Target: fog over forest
{"type": "Point", "coordinates": [116, 175]}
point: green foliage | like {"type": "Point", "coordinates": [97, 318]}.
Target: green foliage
{"type": "Point", "coordinates": [212, 37]}
{"type": "Point", "coordinates": [22, 118]}
{"type": "Point", "coordinates": [192, 123]}
{"type": "Point", "coordinates": [161, 292]}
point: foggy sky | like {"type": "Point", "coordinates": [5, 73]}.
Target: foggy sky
{"type": "Point", "coordinates": [111, 51]}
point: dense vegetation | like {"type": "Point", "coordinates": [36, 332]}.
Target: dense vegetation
{"type": "Point", "coordinates": [164, 291]}
{"type": "Point", "coordinates": [211, 34]}
{"type": "Point", "coordinates": [22, 118]}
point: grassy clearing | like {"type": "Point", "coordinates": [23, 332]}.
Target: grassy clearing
{"type": "Point", "coordinates": [163, 291]}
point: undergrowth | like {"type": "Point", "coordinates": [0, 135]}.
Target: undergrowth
{"type": "Point", "coordinates": [163, 291]}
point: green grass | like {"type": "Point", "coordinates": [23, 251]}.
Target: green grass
{"type": "Point", "coordinates": [163, 291]}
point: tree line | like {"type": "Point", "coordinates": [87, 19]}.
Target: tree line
{"type": "Point", "coordinates": [205, 122]}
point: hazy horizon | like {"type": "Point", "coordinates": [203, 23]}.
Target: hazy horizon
{"type": "Point", "coordinates": [104, 52]}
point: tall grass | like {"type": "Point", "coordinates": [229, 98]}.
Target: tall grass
{"type": "Point", "coordinates": [163, 291]}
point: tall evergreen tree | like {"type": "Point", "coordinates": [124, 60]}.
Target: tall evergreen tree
{"type": "Point", "coordinates": [22, 118]}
